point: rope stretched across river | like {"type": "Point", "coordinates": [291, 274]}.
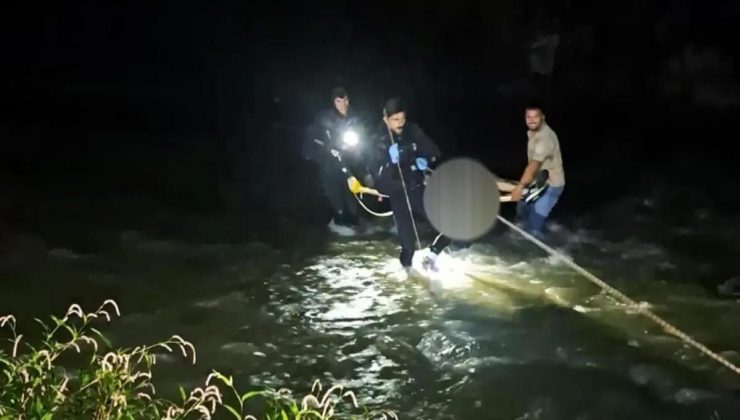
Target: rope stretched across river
{"type": "Point", "coordinates": [640, 308]}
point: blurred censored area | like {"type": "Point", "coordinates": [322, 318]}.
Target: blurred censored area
{"type": "Point", "coordinates": [461, 199]}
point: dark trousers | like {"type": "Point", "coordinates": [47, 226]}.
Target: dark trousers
{"type": "Point", "coordinates": [343, 204]}
{"type": "Point", "coordinates": [405, 226]}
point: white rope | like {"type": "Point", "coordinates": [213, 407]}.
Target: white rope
{"type": "Point", "coordinates": [386, 214]}
{"type": "Point", "coordinates": [640, 308]}
{"type": "Point", "coordinates": [403, 184]}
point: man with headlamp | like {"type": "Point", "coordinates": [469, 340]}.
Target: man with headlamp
{"type": "Point", "coordinates": [334, 142]}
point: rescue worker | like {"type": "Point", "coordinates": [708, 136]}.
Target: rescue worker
{"type": "Point", "coordinates": [330, 142]}
{"type": "Point", "coordinates": [412, 150]}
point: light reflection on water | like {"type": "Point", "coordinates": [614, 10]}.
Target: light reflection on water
{"type": "Point", "coordinates": [525, 336]}
{"type": "Point", "coordinates": [514, 323]}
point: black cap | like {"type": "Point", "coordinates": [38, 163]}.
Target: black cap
{"type": "Point", "coordinates": [338, 92]}
{"type": "Point", "coordinates": [393, 106]}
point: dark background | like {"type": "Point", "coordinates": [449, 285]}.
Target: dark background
{"type": "Point", "coordinates": [199, 106]}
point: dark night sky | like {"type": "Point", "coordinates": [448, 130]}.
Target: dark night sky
{"type": "Point", "coordinates": [199, 56]}
{"type": "Point", "coordinates": [123, 86]}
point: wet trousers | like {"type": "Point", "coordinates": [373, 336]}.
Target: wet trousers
{"type": "Point", "coordinates": [534, 215]}
{"type": "Point", "coordinates": [405, 226]}
{"type": "Point", "coordinates": [343, 204]}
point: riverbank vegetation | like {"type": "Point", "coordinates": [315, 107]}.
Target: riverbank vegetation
{"type": "Point", "coordinates": [71, 370]}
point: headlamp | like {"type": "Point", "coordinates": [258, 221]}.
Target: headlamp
{"type": "Point", "coordinates": [350, 138]}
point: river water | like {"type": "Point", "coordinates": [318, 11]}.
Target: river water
{"type": "Point", "coordinates": [527, 338]}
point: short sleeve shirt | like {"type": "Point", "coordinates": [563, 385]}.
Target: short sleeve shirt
{"type": "Point", "coordinates": [543, 146]}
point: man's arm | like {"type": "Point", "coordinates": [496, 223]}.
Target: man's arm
{"type": "Point", "coordinates": [527, 177]}
{"type": "Point", "coordinates": [426, 146]}
{"type": "Point", "coordinates": [385, 172]}
{"type": "Point", "coordinates": [318, 144]}
{"type": "Point", "coordinates": [542, 149]}
{"type": "Point", "coordinates": [529, 173]}
{"type": "Point", "coordinates": [375, 154]}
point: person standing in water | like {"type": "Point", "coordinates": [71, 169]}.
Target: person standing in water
{"type": "Point", "coordinates": [324, 145]}
{"type": "Point", "coordinates": [413, 152]}
{"type": "Point", "coordinates": [543, 153]}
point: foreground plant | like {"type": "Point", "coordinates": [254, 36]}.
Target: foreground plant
{"type": "Point", "coordinates": [280, 404]}
{"type": "Point", "coordinates": [117, 384]}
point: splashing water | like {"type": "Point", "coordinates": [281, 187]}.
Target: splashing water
{"type": "Point", "coordinates": [498, 332]}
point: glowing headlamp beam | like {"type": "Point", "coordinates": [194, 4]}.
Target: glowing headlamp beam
{"type": "Point", "coordinates": [350, 138]}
